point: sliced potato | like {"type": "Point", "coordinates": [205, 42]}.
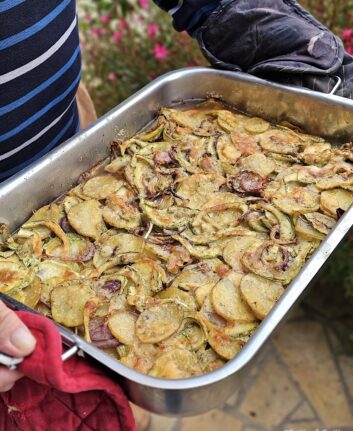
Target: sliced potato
{"type": "Point", "coordinates": [117, 302]}
{"type": "Point", "coordinates": [193, 119]}
{"type": "Point", "coordinates": [298, 200]}
{"type": "Point", "coordinates": [209, 316]}
{"type": "Point", "coordinates": [220, 217]}
{"type": "Point", "coordinates": [240, 330]}
{"type": "Point", "coordinates": [86, 218]}
{"type": "Point", "coordinates": [170, 218]}
{"type": "Point", "coordinates": [195, 190]}
{"type": "Point", "coordinates": [159, 322]}
{"type": "Point", "coordinates": [68, 301]}
{"type": "Point", "coordinates": [120, 213]}
{"type": "Point", "coordinates": [321, 222]}
{"type": "Point", "coordinates": [178, 295]}
{"type": "Point", "coordinates": [197, 275]}
{"type": "Point", "coordinates": [118, 164]}
{"type": "Point", "coordinates": [153, 275]}
{"type": "Point", "coordinates": [141, 356]}
{"type": "Point", "coordinates": [30, 251]}
{"type": "Point", "coordinates": [80, 249]}
{"type": "Point", "coordinates": [176, 364]}
{"type": "Point", "coordinates": [70, 201]}
{"type": "Point", "coordinates": [223, 344]}
{"type": "Point", "coordinates": [46, 289]}
{"type": "Point", "coordinates": [227, 301]}
{"type": "Point", "coordinates": [122, 325]}
{"type": "Point", "coordinates": [226, 150]}
{"type": "Point", "coordinates": [212, 250]}
{"type": "Point", "coordinates": [333, 200]}
{"type": "Point", "coordinates": [228, 120]}
{"type": "Point", "coordinates": [191, 335]}
{"type": "Point", "coordinates": [30, 295]}
{"type": "Point", "coordinates": [48, 269]}
{"type": "Point", "coordinates": [305, 230]}
{"type": "Point", "coordinates": [334, 181]}
{"type": "Point", "coordinates": [115, 247]}
{"type": "Point", "coordinates": [14, 275]}
{"type": "Point", "coordinates": [258, 163]}
{"type": "Point", "coordinates": [209, 360]}
{"type": "Point", "coordinates": [281, 141]}
{"type": "Point", "coordinates": [256, 125]}
{"type": "Point", "coordinates": [236, 247]}
{"type": "Point", "coordinates": [201, 293]}
{"type": "Point", "coordinates": [101, 187]}
{"type": "Point", "coordinates": [260, 294]}
{"type": "Point", "coordinates": [52, 213]}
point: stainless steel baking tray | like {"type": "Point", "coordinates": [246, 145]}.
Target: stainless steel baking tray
{"type": "Point", "coordinates": [324, 115]}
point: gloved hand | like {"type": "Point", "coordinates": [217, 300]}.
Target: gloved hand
{"type": "Point", "coordinates": [15, 340]}
{"type": "Point", "coordinates": [276, 40]}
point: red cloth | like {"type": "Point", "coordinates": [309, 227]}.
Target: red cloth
{"type": "Point", "coordinates": [67, 396]}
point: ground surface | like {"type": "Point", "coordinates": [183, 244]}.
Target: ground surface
{"type": "Point", "coordinates": [299, 385]}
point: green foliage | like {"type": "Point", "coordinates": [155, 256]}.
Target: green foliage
{"type": "Point", "coordinates": [126, 45]}
{"type": "Point", "coordinates": [331, 297]}
{"type": "Point", "coordinates": [335, 14]}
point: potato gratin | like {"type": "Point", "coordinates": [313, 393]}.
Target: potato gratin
{"type": "Point", "coordinates": [171, 255]}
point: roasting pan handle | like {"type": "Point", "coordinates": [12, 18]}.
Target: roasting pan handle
{"type": "Point", "coordinates": [11, 362]}
{"type": "Point", "coordinates": [336, 86]}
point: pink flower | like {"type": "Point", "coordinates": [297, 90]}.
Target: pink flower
{"type": "Point", "coordinates": [144, 4]}
{"type": "Point", "coordinates": [88, 18]}
{"type": "Point", "coordinates": [95, 31]}
{"type": "Point", "coordinates": [152, 30]}
{"type": "Point", "coordinates": [160, 51]}
{"type": "Point", "coordinates": [349, 50]}
{"type": "Point", "coordinates": [117, 36]}
{"type": "Point", "coordinates": [112, 76]}
{"type": "Point", "coordinates": [123, 24]}
{"type": "Point", "coordinates": [347, 33]}
{"type": "Point", "coordinates": [105, 19]}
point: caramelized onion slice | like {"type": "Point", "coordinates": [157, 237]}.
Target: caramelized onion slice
{"type": "Point", "coordinates": [276, 262]}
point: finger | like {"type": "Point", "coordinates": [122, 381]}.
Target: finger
{"type": "Point", "coordinates": [8, 378]}
{"type": "Point", "coordinates": [15, 337]}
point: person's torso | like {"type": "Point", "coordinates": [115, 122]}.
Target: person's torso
{"type": "Point", "coordinates": [40, 68]}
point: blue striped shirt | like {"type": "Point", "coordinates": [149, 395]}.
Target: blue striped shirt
{"type": "Point", "coordinates": [40, 69]}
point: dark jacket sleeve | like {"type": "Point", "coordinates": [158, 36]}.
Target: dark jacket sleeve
{"type": "Point", "coordinates": [188, 15]}
{"type": "Point", "coordinates": [276, 40]}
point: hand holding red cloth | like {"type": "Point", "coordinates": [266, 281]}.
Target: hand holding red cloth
{"type": "Point", "coordinates": [56, 395]}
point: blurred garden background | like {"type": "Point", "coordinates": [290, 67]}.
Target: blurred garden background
{"type": "Point", "coordinates": [127, 43]}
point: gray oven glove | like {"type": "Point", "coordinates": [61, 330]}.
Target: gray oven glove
{"type": "Point", "coordinates": [276, 40]}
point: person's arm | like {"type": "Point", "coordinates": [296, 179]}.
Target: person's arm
{"type": "Point", "coordinates": [15, 340]}
{"type": "Point", "coordinates": [188, 15]}
{"type": "Point", "coordinates": [273, 39]}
